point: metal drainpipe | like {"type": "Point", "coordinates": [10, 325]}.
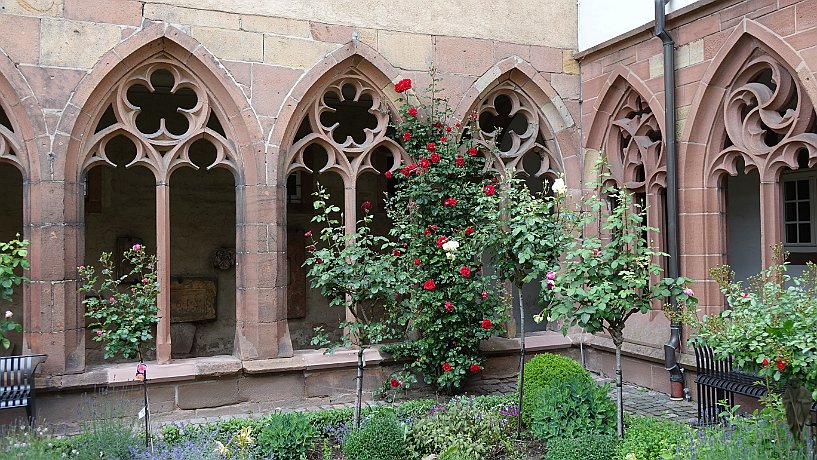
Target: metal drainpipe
{"type": "Point", "coordinates": [677, 383]}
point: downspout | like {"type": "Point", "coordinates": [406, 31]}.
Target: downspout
{"type": "Point", "coordinates": [677, 383]}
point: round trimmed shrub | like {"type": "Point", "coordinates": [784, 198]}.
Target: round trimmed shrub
{"type": "Point", "coordinates": [542, 371]}
{"type": "Point", "coordinates": [380, 437]}
{"type": "Point", "coordinates": [573, 406]}
{"type": "Point", "coordinates": [583, 446]}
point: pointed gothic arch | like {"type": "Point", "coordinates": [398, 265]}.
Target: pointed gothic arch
{"type": "Point", "coordinates": [221, 115]}
{"type": "Point", "coordinates": [514, 92]}
{"type": "Point", "coordinates": [753, 112]}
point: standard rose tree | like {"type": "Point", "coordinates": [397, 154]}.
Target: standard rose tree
{"type": "Point", "coordinates": [443, 211]}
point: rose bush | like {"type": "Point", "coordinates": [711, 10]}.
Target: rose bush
{"type": "Point", "coordinates": [443, 213]}
{"type": "Point", "coordinates": [123, 314]}
{"type": "Point", "coordinates": [13, 260]}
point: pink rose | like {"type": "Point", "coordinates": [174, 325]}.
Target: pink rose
{"type": "Point", "coordinates": [137, 247]}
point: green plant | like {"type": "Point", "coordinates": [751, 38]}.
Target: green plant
{"type": "Point", "coordinates": [124, 314]}
{"type": "Point", "coordinates": [603, 282]}
{"type": "Point", "coordinates": [770, 328]}
{"type": "Point", "coordinates": [582, 446]}
{"type": "Point", "coordinates": [13, 259]}
{"type": "Point", "coordinates": [321, 419]}
{"type": "Point", "coordinates": [542, 371]}
{"type": "Point", "coordinates": [239, 444]}
{"type": "Point", "coordinates": [649, 438]}
{"type": "Point", "coordinates": [443, 212]}
{"type": "Point", "coordinates": [572, 406]}
{"type": "Point", "coordinates": [380, 437]}
{"type": "Point", "coordinates": [463, 428]}
{"type": "Point", "coordinates": [414, 409]}
{"type": "Point", "coordinates": [285, 436]}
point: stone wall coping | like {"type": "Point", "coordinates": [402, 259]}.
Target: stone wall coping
{"type": "Point", "coordinates": [302, 361]}
{"type": "Point", "coordinates": [643, 352]}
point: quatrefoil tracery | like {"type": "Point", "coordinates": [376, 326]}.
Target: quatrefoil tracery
{"type": "Point", "coordinates": [634, 146]}
{"type": "Point", "coordinates": [510, 121]}
{"type": "Point", "coordinates": [330, 113]}
{"type": "Point", "coordinates": [165, 149]}
{"type": "Point", "coordinates": [766, 123]}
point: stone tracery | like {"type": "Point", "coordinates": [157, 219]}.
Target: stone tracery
{"type": "Point", "coordinates": [9, 145]}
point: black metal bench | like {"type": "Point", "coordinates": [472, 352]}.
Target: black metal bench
{"type": "Point", "coordinates": [717, 382]}
{"type": "Point", "coordinates": [17, 382]}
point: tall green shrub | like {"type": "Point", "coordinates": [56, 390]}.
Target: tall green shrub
{"type": "Point", "coordinates": [381, 437]}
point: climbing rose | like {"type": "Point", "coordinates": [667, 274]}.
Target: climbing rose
{"type": "Point", "coordinates": [406, 136]}
{"type": "Point", "coordinates": [489, 190]}
{"type": "Point", "coordinates": [319, 260]}
{"type": "Point", "coordinates": [469, 230]}
{"type": "Point", "coordinates": [366, 206]}
{"type": "Point", "coordinates": [443, 139]}
{"type": "Point", "coordinates": [441, 241]}
{"type": "Point", "coordinates": [465, 271]}
{"type": "Point", "coordinates": [551, 275]}
{"type": "Point", "coordinates": [596, 252]}
{"type": "Point", "coordinates": [550, 284]}
{"type": "Point", "coordinates": [484, 294]}
{"type": "Point", "coordinates": [450, 201]}
{"type": "Point", "coordinates": [417, 262]}
{"type": "Point", "coordinates": [559, 187]}
{"type": "Point", "coordinates": [112, 300]}
{"type": "Point", "coordinates": [412, 112]}
{"type": "Point", "coordinates": [395, 383]}
{"type": "Point", "coordinates": [475, 368]}
{"type": "Point", "coordinates": [765, 361]}
{"type": "Point", "coordinates": [449, 307]}
{"type": "Point", "coordinates": [308, 234]}
{"type": "Point", "coordinates": [472, 151]}
{"type": "Point", "coordinates": [396, 253]}
{"type": "Point", "coordinates": [388, 174]}
{"type": "Point", "coordinates": [435, 157]}
{"type": "Point", "coordinates": [137, 247]}
{"type": "Point", "coordinates": [487, 324]}
{"type": "Point", "coordinates": [429, 285]}
{"type": "Point", "coordinates": [447, 367]}
{"type": "Point", "coordinates": [448, 129]}
{"type": "Point", "coordinates": [431, 146]}
{"type": "Point", "coordinates": [460, 161]}
{"type": "Point", "coordinates": [144, 280]}
{"type": "Point", "coordinates": [403, 85]}
{"type": "Point", "coordinates": [781, 365]}
{"type": "Point", "coordinates": [425, 164]}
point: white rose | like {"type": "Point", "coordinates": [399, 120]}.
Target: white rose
{"type": "Point", "coordinates": [9, 314]}
{"type": "Point", "coordinates": [450, 246]}
{"type": "Point", "coordinates": [559, 187]}
{"type": "Point", "coordinates": [450, 255]}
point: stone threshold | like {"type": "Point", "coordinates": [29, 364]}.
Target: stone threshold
{"type": "Point", "coordinates": [302, 361]}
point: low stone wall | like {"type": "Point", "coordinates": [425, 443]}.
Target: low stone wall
{"type": "Point", "coordinates": [203, 389]}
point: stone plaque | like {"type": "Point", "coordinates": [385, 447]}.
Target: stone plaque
{"type": "Point", "coordinates": [192, 299]}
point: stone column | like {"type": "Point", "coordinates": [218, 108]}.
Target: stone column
{"type": "Point", "coordinates": [770, 217]}
{"type": "Point", "coordinates": [163, 348]}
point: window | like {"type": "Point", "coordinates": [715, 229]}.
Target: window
{"type": "Point", "coordinates": [798, 211]}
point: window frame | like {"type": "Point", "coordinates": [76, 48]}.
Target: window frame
{"type": "Point", "coordinates": [794, 176]}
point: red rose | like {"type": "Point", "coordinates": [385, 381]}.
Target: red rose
{"type": "Point", "coordinates": [484, 294]}
{"type": "Point", "coordinates": [438, 124]}
{"type": "Point", "coordinates": [489, 190]}
{"type": "Point", "coordinates": [447, 367]}
{"type": "Point", "coordinates": [460, 161]}
{"type": "Point", "coordinates": [427, 232]}
{"type": "Point", "coordinates": [406, 136]}
{"type": "Point", "coordinates": [457, 124]}
{"type": "Point", "coordinates": [441, 241]}
{"type": "Point", "coordinates": [402, 85]}
{"type": "Point", "coordinates": [429, 285]}
{"type": "Point", "coordinates": [448, 129]}
{"type": "Point", "coordinates": [417, 262]}
{"type": "Point", "coordinates": [596, 252]}
{"type": "Point", "coordinates": [396, 253]}
{"type": "Point", "coordinates": [435, 157]}
{"type": "Point", "coordinates": [781, 365]}
{"type": "Point", "coordinates": [443, 139]}
{"type": "Point", "coordinates": [765, 361]}
{"type": "Point", "coordinates": [469, 230]}
{"type": "Point", "coordinates": [465, 271]}
{"type": "Point", "coordinates": [319, 260]}
{"type": "Point", "coordinates": [433, 226]}
{"type": "Point", "coordinates": [487, 324]}
{"type": "Point", "coordinates": [412, 112]}
{"type": "Point", "coordinates": [431, 146]}
{"type": "Point", "coordinates": [388, 175]}
{"type": "Point", "coordinates": [395, 383]}
{"type": "Point", "coordinates": [366, 206]}
{"type": "Point", "coordinates": [449, 307]}
{"type": "Point", "coordinates": [475, 368]}
{"type": "Point", "coordinates": [472, 151]}
{"type": "Point", "coordinates": [450, 201]}
{"type": "Point", "coordinates": [308, 234]}
{"type": "Point", "coordinates": [425, 163]}
{"type": "Point", "coordinates": [311, 247]}
{"type": "Point", "coordinates": [474, 115]}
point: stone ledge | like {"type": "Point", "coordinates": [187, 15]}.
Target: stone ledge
{"type": "Point", "coordinates": [642, 352]}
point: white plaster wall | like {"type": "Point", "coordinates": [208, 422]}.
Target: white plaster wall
{"type": "Point", "coordinates": [601, 20]}
{"type": "Point", "coordinates": [538, 22]}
